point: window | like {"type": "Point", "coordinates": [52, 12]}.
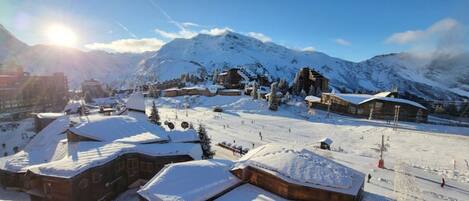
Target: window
{"type": "Point", "coordinates": [97, 177]}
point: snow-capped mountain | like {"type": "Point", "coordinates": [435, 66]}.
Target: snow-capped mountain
{"type": "Point", "coordinates": [77, 65]}
{"type": "Point", "coordinates": [410, 74]}
{"type": "Point", "coordinates": [438, 78]}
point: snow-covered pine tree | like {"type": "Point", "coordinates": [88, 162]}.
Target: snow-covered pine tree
{"type": "Point", "coordinates": [154, 115]}
{"type": "Point", "coordinates": [205, 143]}
{"type": "Point", "coordinates": [215, 76]}
{"type": "Point", "coordinates": [273, 104]}
{"type": "Point", "coordinates": [254, 90]}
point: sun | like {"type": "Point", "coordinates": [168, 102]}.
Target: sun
{"type": "Point", "coordinates": [61, 35]}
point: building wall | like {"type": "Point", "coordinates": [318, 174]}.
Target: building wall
{"type": "Point", "coordinates": [103, 182]}
{"type": "Point", "coordinates": [381, 109]}
{"type": "Point", "coordinates": [22, 91]}
{"type": "Point", "coordinates": [287, 190]}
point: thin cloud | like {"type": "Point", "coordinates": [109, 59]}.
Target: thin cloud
{"type": "Point", "coordinates": [128, 45]}
{"type": "Point", "coordinates": [216, 31]}
{"type": "Point", "coordinates": [127, 30]}
{"type": "Point", "coordinates": [411, 36]}
{"type": "Point", "coordinates": [190, 24]}
{"type": "Point", "coordinates": [342, 42]}
{"type": "Point", "coordinates": [310, 49]}
{"type": "Point", "coordinates": [180, 34]}
{"type": "Point", "coordinates": [444, 37]}
{"type": "Point", "coordinates": [260, 36]}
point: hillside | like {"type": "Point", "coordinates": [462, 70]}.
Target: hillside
{"type": "Point", "coordinates": [210, 52]}
{"type": "Point", "coordinates": [445, 77]}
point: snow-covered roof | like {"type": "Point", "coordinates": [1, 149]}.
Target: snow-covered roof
{"type": "Point", "coordinates": [118, 128]}
{"type": "Point", "coordinates": [84, 155]}
{"type": "Point", "coordinates": [50, 115]}
{"type": "Point", "coordinates": [303, 167]}
{"type": "Point", "coordinates": [383, 94]}
{"type": "Point", "coordinates": [326, 140]}
{"type": "Point", "coordinates": [249, 192]}
{"type": "Point", "coordinates": [278, 94]}
{"type": "Point", "coordinates": [244, 76]}
{"type": "Point", "coordinates": [195, 88]}
{"type": "Point", "coordinates": [358, 99]}
{"type": "Point", "coordinates": [312, 99]}
{"type": "Point", "coordinates": [189, 135]}
{"type": "Point", "coordinates": [73, 106]}
{"type": "Point", "coordinates": [136, 101]}
{"type": "Point", "coordinates": [399, 100]}
{"type": "Point", "coordinates": [191, 181]}
{"type": "Point", "coordinates": [353, 98]}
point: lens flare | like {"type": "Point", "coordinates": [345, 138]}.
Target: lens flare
{"type": "Point", "coordinates": [61, 35]}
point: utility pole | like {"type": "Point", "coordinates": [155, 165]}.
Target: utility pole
{"type": "Point", "coordinates": [396, 116]}
{"type": "Point", "coordinates": [328, 108]}
{"type": "Point", "coordinates": [381, 149]}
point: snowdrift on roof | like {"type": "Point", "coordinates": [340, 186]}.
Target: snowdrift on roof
{"type": "Point", "coordinates": [191, 181]}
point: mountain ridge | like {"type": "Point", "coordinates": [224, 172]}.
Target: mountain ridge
{"type": "Point", "coordinates": [205, 52]}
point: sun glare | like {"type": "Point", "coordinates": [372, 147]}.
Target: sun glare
{"type": "Point", "coordinates": [61, 35]}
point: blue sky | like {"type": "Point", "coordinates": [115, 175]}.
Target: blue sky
{"type": "Point", "coordinates": [353, 30]}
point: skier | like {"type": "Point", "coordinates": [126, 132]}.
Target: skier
{"type": "Point", "coordinates": [369, 177]}
{"type": "Point", "coordinates": [260, 135]}
{"type": "Point", "coordinates": [253, 145]}
{"type": "Point", "coordinates": [442, 182]}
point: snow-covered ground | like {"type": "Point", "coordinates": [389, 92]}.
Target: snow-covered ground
{"type": "Point", "coordinates": [427, 152]}
{"type": "Point", "coordinates": [15, 134]}
{"type": "Point", "coordinates": [424, 152]}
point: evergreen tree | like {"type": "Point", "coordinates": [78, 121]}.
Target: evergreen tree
{"type": "Point", "coordinates": [254, 90]}
{"type": "Point", "coordinates": [215, 76]}
{"type": "Point", "coordinates": [273, 104]}
{"type": "Point", "coordinates": [205, 143]}
{"type": "Point", "coordinates": [154, 116]}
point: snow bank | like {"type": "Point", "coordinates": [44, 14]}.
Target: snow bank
{"type": "Point", "coordinates": [194, 181]}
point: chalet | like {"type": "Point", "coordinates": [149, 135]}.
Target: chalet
{"type": "Point", "coordinates": [195, 90]}
{"type": "Point", "coordinates": [379, 106]}
{"type": "Point", "coordinates": [171, 92]}
{"type": "Point", "coordinates": [311, 82]}
{"type": "Point", "coordinates": [230, 92]}
{"type": "Point", "coordinates": [325, 143]}
{"type": "Point", "coordinates": [93, 89]}
{"type": "Point", "coordinates": [41, 120]}
{"type": "Point", "coordinates": [96, 157]}
{"type": "Point", "coordinates": [232, 79]}
{"type": "Point", "coordinates": [289, 174]}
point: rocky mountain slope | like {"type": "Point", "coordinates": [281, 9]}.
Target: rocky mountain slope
{"type": "Point", "coordinates": [78, 65]}
{"type": "Point", "coordinates": [408, 73]}
{"type": "Point", "coordinates": [441, 78]}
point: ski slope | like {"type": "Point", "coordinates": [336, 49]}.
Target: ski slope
{"type": "Point", "coordinates": [425, 152]}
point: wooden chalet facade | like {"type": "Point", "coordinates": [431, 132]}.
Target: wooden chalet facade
{"type": "Point", "coordinates": [311, 82]}
{"type": "Point", "coordinates": [103, 182]}
{"type": "Point", "coordinates": [231, 79]}
{"type": "Point", "coordinates": [379, 106]}
{"type": "Point", "coordinates": [291, 191]}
